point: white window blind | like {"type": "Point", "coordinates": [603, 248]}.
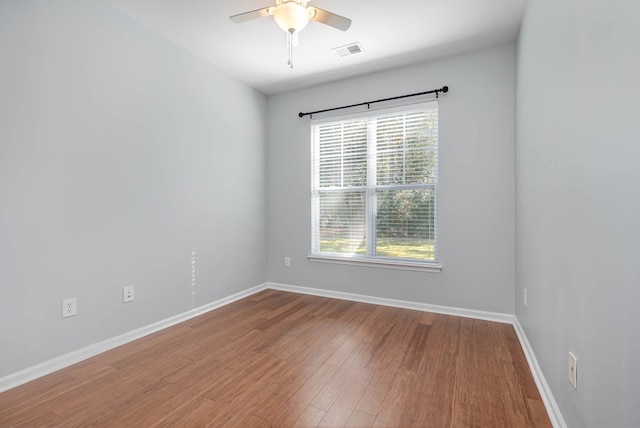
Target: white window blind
{"type": "Point", "coordinates": [374, 186]}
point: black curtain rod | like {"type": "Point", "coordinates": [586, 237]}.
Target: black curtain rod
{"type": "Point", "coordinates": [444, 90]}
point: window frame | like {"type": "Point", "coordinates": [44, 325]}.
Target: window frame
{"type": "Point", "coordinates": [371, 190]}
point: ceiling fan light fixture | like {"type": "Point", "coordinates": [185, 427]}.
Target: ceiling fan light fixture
{"type": "Point", "coordinates": [291, 15]}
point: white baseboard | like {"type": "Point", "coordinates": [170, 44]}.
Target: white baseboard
{"type": "Point", "coordinates": [404, 304]}
{"type": "Point", "coordinates": [66, 360]}
{"type": "Point", "coordinates": [543, 387]}
{"type": "Point", "coordinates": [50, 366]}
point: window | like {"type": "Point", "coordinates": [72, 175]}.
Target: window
{"type": "Point", "coordinates": [374, 188]}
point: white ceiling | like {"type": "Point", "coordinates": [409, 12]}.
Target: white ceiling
{"type": "Point", "coordinates": [391, 32]}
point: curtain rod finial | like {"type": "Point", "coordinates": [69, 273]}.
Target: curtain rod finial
{"type": "Point", "coordinates": [445, 89]}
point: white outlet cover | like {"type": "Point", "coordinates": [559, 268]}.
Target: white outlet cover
{"type": "Point", "coordinates": [69, 307]}
{"type": "Point", "coordinates": [128, 294]}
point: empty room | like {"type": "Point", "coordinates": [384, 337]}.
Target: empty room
{"type": "Point", "coordinates": [326, 213]}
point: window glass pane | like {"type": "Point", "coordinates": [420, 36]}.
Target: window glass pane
{"type": "Point", "coordinates": [406, 148]}
{"type": "Point", "coordinates": [405, 224]}
{"type": "Point", "coordinates": [343, 154]}
{"type": "Point", "coordinates": [342, 222]}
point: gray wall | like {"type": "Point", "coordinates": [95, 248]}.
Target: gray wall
{"type": "Point", "coordinates": [476, 198]}
{"type": "Point", "coordinates": [119, 154]}
{"type": "Point", "coordinates": [578, 204]}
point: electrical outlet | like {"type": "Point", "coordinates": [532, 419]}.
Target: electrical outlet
{"type": "Point", "coordinates": [573, 370]}
{"type": "Point", "coordinates": [69, 307]}
{"type": "Point", "coordinates": [127, 294]}
{"type": "Point", "coordinates": [524, 297]}
{"type": "Point", "coordinates": [287, 261]}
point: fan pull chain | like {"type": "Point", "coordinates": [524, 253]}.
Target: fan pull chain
{"type": "Point", "coordinates": [290, 43]}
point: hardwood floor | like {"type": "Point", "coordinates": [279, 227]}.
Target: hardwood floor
{"type": "Point", "coordinates": [282, 359]}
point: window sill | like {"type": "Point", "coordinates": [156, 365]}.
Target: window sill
{"type": "Point", "coordinates": [376, 262]}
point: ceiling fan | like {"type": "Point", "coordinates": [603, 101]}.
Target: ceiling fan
{"type": "Point", "coordinates": [292, 16]}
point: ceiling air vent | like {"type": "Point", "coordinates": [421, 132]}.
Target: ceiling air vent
{"type": "Point", "coordinates": [347, 50]}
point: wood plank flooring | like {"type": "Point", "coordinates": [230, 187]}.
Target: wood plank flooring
{"type": "Point", "coordinates": [283, 359]}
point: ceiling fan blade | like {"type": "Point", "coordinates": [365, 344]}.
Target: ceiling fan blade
{"type": "Point", "coordinates": [254, 14]}
{"type": "Point", "coordinates": [331, 19]}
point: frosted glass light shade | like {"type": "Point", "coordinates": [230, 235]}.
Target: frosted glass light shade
{"type": "Point", "coordinates": [290, 15]}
